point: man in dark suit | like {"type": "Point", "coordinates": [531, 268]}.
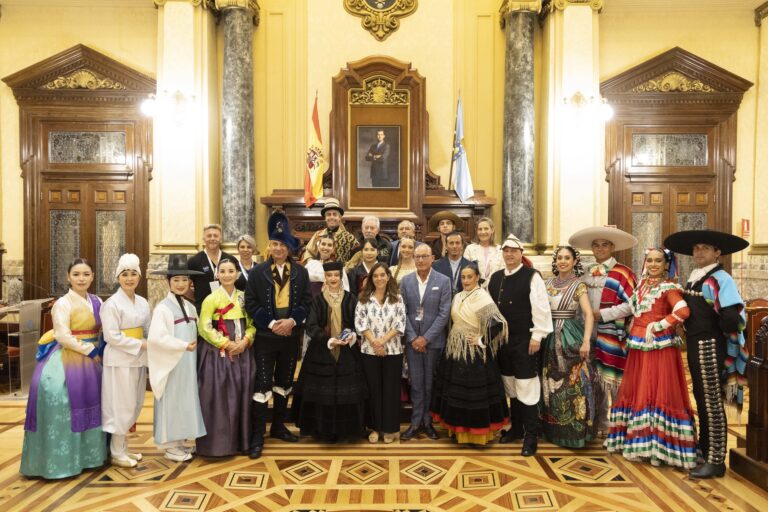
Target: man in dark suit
{"type": "Point", "coordinates": [427, 298]}
{"type": "Point", "coordinates": [277, 298]}
{"type": "Point", "coordinates": [206, 262]}
{"type": "Point", "coordinates": [453, 262]}
{"type": "Point", "coordinates": [378, 155]}
{"type": "Point", "coordinates": [406, 228]}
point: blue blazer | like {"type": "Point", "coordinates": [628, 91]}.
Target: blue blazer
{"type": "Point", "coordinates": [444, 267]}
{"type": "Point", "coordinates": [436, 308]}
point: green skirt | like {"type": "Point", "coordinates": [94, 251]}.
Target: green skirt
{"type": "Point", "coordinates": [54, 451]}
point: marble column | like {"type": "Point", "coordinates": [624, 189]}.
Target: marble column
{"type": "Point", "coordinates": [238, 201]}
{"type": "Point", "coordinates": [517, 20]}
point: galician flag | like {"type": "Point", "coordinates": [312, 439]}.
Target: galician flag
{"type": "Point", "coordinates": [316, 163]}
{"type": "Point", "coordinates": [462, 182]}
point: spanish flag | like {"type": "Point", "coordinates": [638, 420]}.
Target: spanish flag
{"type": "Point", "coordinates": [316, 163]}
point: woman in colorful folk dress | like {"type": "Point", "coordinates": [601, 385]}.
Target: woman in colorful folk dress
{"type": "Point", "coordinates": [485, 251]}
{"type": "Point", "coordinates": [330, 395]}
{"type": "Point", "coordinates": [359, 273]}
{"type": "Point", "coordinates": [225, 368]}
{"type": "Point", "coordinates": [172, 360]}
{"type": "Point", "coordinates": [125, 322]}
{"type": "Point", "coordinates": [406, 264]}
{"type": "Point", "coordinates": [380, 319]}
{"type": "Point", "coordinates": [468, 396]}
{"type": "Point", "coordinates": [62, 432]}
{"type": "Point", "coordinates": [652, 418]}
{"type": "Point", "coordinates": [568, 379]}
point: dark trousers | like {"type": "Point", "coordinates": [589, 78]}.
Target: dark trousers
{"type": "Point", "coordinates": [383, 377]}
{"type": "Point", "coordinates": [706, 362]}
{"type": "Point", "coordinates": [275, 366]}
{"type": "Point", "coordinates": [421, 374]}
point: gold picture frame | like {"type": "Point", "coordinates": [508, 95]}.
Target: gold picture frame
{"type": "Point", "coordinates": [381, 17]}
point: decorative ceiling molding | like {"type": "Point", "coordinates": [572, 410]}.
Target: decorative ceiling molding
{"type": "Point", "coordinates": [381, 17]}
{"type": "Point", "coordinates": [760, 13]}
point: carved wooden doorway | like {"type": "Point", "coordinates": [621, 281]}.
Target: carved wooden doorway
{"type": "Point", "coordinates": [671, 149]}
{"type": "Point", "coordinates": [86, 164]}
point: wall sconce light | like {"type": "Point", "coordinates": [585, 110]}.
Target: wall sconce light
{"type": "Point", "coordinates": [148, 107]}
{"type": "Point", "coordinates": [178, 103]}
{"type": "Point", "coordinates": [593, 104]}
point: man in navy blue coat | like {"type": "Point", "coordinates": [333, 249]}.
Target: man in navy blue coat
{"type": "Point", "coordinates": [453, 262]}
{"type": "Point", "coordinates": [427, 297]}
{"type": "Point", "coordinates": [277, 298]}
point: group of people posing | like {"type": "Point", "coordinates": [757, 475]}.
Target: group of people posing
{"type": "Point", "coordinates": [484, 343]}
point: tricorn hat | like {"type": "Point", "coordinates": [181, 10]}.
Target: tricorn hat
{"type": "Point", "coordinates": [177, 266]}
{"type": "Point", "coordinates": [331, 203]}
{"type": "Point", "coordinates": [279, 230]}
{"type": "Point", "coordinates": [445, 214]}
{"type": "Point", "coordinates": [682, 242]}
{"type": "Point", "coordinates": [621, 240]}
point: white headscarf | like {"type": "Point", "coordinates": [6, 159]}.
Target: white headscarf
{"type": "Point", "coordinates": [128, 261]}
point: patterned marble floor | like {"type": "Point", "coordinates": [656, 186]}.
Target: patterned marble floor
{"type": "Point", "coordinates": [418, 475]}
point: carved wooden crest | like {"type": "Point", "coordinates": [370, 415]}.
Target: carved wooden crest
{"type": "Point", "coordinates": [381, 17]}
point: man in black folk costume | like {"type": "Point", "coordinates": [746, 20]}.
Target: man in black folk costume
{"type": "Point", "coordinates": [521, 296]}
{"type": "Point", "coordinates": [717, 357]}
{"type": "Point", "coordinates": [277, 297]}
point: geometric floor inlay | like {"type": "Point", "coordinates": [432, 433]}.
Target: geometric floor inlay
{"type": "Point", "coordinates": [424, 472]}
{"type": "Point", "coordinates": [304, 471]}
{"type": "Point", "coordinates": [484, 479]}
{"type": "Point", "coordinates": [246, 480]}
{"type": "Point", "coordinates": [364, 471]}
{"type": "Point", "coordinates": [535, 500]}
{"type": "Point", "coordinates": [584, 469]}
{"type": "Point", "coordinates": [185, 500]}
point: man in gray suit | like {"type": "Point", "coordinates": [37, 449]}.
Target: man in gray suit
{"type": "Point", "coordinates": [427, 297]}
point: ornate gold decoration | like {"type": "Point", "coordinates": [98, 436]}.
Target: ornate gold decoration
{"type": "Point", "coordinates": [83, 79]}
{"type": "Point", "coordinates": [508, 6]}
{"type": "Point", "coordinates": [253, 5]}
{"type": "Point", "coordinates": [560, 5]}
{"type": "Point", "coordinates": [216, 6]}
{"type": "Point", "coordinates": [381, 17]}
{"type": "Point", "coordinates": [206, 4]}
{"type": "Point", "coordinates": [760, 13]}
{"type": "Point", "coordinates": [378, 90]}
{"type": "Point", "coordinates": [673, 81]}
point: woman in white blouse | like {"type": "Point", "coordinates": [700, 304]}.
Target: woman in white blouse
{"type": "Point", "coordinates": [380, 319]}
{"type": "Point", "coordinates": [484, 250]}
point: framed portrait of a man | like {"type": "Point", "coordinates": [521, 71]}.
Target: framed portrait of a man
{"type": "Point", "coordinates": [378, 157]}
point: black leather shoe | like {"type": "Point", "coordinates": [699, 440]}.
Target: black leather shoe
{"type": "Point", "coordinates": [256, 451]}
{"type": "Point", "coordinates": [510, 436]}
{"type": "Point", "coordinates": [530, 445]}
{"type": "Point", "coordinates": [708, 470]}
{"type": "Point", "coordinates": [411, 432]}
{"type": "Point", "coordinates": [431, 432]}
{"type": "Point", "coordinates": [284, 435]}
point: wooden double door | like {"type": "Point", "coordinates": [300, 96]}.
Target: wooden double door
{"type": "Point", "coordinates": [652, 211]}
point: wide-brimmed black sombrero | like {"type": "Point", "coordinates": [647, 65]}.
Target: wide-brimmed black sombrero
{"type": "Point", "coordinates": [682, 242]}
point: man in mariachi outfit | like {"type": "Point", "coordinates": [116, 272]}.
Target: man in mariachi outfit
{"type": "Point", "coordinates": [521, 296]}
{"type": "Point", "coordinates": [717, 357]}
{"type": "Point", "coordinates": [609, 283]}
{"type": "Point", "coordinates": [346, 243]}
{"type": "Point", "coordinates": [277, 297]}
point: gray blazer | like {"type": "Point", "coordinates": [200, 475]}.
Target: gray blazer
{"type": "Point", "coordinates": [436, 304]}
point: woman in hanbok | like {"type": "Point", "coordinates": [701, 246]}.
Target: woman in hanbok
{"type": "Point", "coordinates": [225, 368]}
{"type": "Point", "coordinates": [406, 264]}
{"type": "Point", "coordinates": [485, 251]}
{"type": "Point", "coordinates": [380, 320]}
{"type": "Point", "coordinates": [62, 431]}
{"type": "Point", "coordinates": [246, 247]}
{"type": "Point", "coordinates": [329, 396]}
{"type": "Point", "coordinates": [568, 378]}
{"type": "Point", "coordinates": [125, 323]}
{"type": "Point", "coordinates": [468, 397]}
{"type": "Point", "coordinates": [326, 251]}
{"type": "Point", "coordinates": [172, 359]}
{"type": "Point", "coordinates": [652, 418]}
{"type": "Point", "coordinates": [357, 276]}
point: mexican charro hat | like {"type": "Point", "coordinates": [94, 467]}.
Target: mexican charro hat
{"type": "Point", "coordinates": [682, 242]}
{"type": "Point", "coordinates": [621, 239]}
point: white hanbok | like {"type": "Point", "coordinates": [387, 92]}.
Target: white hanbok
{"type": "Point", "coordinates": [173, 374]}
{"type": "Point", "coordinates": [125, 324]}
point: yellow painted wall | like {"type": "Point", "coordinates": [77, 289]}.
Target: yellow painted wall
{"type": "Point", "coordinates": [30, 33]}
{"type": "Point", "coordinates": [726, 38]}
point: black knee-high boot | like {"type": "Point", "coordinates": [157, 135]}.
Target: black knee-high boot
{"type": "Point", "coordinates": [278, 429]}
{"type": "Point", "coordinates": [530, 417]}
{"type": "Point", "coordinates": [258, 427]}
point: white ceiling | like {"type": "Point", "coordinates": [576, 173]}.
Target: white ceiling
{"type": "Point", "coordinates": [678, 5]}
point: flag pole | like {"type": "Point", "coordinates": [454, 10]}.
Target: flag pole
{"type": "Point", "coordinates": [453, 145]}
